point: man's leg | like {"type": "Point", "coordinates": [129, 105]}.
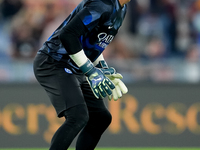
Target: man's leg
{"type": "Point", "coordinates": [64, 91]}
{"type": "Point", "coordinates": [76, 118]}
{"type": "Point", "coordinates": [99, 119]}
{"type": "Point", "coordinates": [91, 134]}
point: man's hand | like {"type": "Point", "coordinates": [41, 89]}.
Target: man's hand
{"type": "Point", "coordinates": [120, 87]}
{"type": "Point", "coordinates": [99, 83]}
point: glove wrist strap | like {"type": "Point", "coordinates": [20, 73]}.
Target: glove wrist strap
{"type": "Point", "coordinates": [102, 64]}
{"type": "Point", "coordinates": [87, 67]}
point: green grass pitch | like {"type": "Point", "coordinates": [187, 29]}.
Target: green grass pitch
{"type": "Point", "coordinates": [189, 148]}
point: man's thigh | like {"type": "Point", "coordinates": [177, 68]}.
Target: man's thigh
{"type": "Point", "coordinates": [61, 85]}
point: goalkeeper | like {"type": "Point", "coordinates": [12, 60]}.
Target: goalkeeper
{"type": "Point", "coordinates": [71, 68]}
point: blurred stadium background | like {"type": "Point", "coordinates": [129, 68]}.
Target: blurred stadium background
{"type": "Point", "coordinates": [157, 50]}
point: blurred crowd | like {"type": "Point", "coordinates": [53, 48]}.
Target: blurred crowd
{"type": "Point", "coordinates": [28, 23]}
{"type": "Point", "coordinates": [163, 29]}
{"type": "Point", "coordinates": [153, 30]}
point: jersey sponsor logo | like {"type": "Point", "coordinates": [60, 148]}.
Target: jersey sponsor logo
{"type": "Point", "coordinates": [104, 39]}
{"type": "Point", "coordinates": [68, 71]}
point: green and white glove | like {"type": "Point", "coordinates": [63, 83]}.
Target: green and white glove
{"type": "Point", "coordinates": [100, 84]}
{"type": "Point", "coordinates": [120, 87]}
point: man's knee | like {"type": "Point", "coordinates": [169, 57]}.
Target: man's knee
{"type": "Point", "coordinates": [101, 119]}
{"type": "Point", "coordinates": [77, 115]}
{"type": "Point", "coordinates": [106, 117]}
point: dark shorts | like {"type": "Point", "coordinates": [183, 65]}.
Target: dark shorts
{"type": "Point", "coordinates": [64, 88]}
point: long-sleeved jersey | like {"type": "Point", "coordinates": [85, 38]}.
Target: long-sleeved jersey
{"type": "Point", "coordinates": [102, 18]}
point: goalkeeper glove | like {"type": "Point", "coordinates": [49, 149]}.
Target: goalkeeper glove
{"type": "Point", "coordinates": [120, 87]}
{"type": "Point", "coordinates": [99, 83]}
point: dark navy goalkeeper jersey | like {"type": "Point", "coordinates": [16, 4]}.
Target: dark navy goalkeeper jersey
{"type": "Point", "coordinates": [102, 18]}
